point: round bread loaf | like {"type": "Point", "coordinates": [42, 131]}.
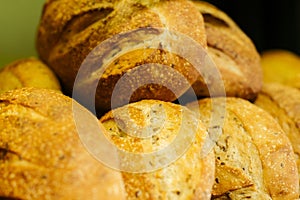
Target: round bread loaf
{"type": "Point", "coordinates": [233, 53]}
{"type": "Point", "coordinates": [27, 72]}
{"type": "Point", "coordinates": [41, 155]}
{"type": "Point", "coordinates": [191, 176]}
{"type": "Point", "coordinates": [69, 30]}
{"type": "Point", "coordinates": [281, 66]}
{"type": "Point", "coordinates": [283, 103]}
{"type": "Point", "coordinates": [254, 157]}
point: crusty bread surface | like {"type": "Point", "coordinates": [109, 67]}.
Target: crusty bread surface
{"type": "Point", "coordinates": [41, 155]}
{"type": "Point", "coordinates": [191, 176]}
{"type": "Point", "coordinates": [27, 72]}
{"type": "Point", "coordinates": [233, 53]}
{"type": "Point", "coordinates": [69, 30]}
{"type": "Point", "coordinates": [254, 157]}
{"type": "Point", "coordinates": [283, 103]}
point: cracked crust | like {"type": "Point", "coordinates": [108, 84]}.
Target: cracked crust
{"type": "Point", "coordinates": [233, 53]}
{"type": "Point", "coordinates": [69, 30]}
{"type": "Point", "coordinates": [254, 157]}
{"type": "Point", "coordinates": [41, 156]}
{"type": "Point", "coordinates": [189, 177]}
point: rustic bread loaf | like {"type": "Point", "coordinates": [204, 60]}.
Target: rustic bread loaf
{"type": "Point", "coordinates": [41, 155]}
{"type": "Point", "coordinates": [69, 30]}
{"type": "Point", "coordinates": [281, 66]}
{"type": "Point", "coordinates": [254, 158]}
{"type": "Point", "coordinates": [190, 177]}
{"type": "Point", "coordinates": [283, 103]}
{"type": "Point", "coordinates": [233, 53]}
{"type": "Point", "coordinates": [27, 72]}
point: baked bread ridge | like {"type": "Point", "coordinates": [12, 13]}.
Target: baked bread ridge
{"type": "Point", "coordinates": [251, 137]}
{"type": "Point", "coordinates": [191, 176]}
{"type": "Point", "coordinates": [70, 35]}
{"type": "Point", "coordinates": [233, 52]}
{"type": "Point", "coordinates": [41, 155]}
{"type": "Point", "coordinates": [283, 103]}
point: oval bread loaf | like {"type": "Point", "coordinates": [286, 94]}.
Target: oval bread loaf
{"type": "Point", "coordinates": [233, 53]}
{"type": "Point", "coordinates": [191, 176]}
{"type": "Point", "coordinates": [69, 30]}
{"type": "Point", "coordinates": [41, 155]}
{"type": "Point", "coordinates": [254, 157]}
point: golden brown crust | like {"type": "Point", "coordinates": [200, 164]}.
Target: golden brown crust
{"type": "Point", "coordinates": [295, 82]}
{"type": "Point", "coordinates": [57, 18]}
{"type": "Point", "coordinates": [27, 72]}
{"type": "Point", "coordinates": [189, 177]}
{"type": "Point", "coordinates": [233, 53]}
{"type": "Point", "coordinates": [41, 155]}
{"type": "Point", "coordinates": [252, 145]}
{"type": "Point", "coordinates": [69, 35]}
{"type": "Point", "coordinates": [281, 66]}
{"type": "Point", "coordinates": [283, 103]}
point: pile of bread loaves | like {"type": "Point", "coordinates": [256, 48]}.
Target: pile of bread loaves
{"type": "Point", "coordinates": [146, 99]}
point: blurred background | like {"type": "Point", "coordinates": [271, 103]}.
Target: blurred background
{"type": "Point", "coordinates": [18, 22]}
{"type": "Point", "coordinates": [270, 24]}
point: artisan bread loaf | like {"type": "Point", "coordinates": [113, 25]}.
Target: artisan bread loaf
{"type": "Point", "coordinates": [27, 72]}
{"type": "Point", "coordinates": [254, 157]}
{"type": "Point", "coordinates": [191, 176]}
{"type": "Point", "coordinates": [69, 30]}
{"type": "Point", "coordinates": [283, 103]}
{"type": "Point", "coordinates": [281, 66]}
{"type": "Point", "coordinates": [233, 53]}
{"type": "Point", "coordinates": [41, 155]}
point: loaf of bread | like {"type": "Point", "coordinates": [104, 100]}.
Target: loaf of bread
{"type": "Point", "coordinates": [233, 53]}
{"type": "Point", "coordinates": [281, 66]}
{"type": "Point", "coordinates": [159, 125]}
{"type": "Point", "coordinates": [254, 157]}
{"type": "Point", "coordinates": [41, 155]}
{"type": "Point", "coordinates": [69, 30]}
{"type": "Point", "coordinates": [27, 72]}
{"type": "Point", "coordinates": [283, 103]}
{"type": "Point", "coordinates": [132, 58]}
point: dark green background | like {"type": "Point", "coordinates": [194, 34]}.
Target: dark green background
{"type": "Point", "coordinates": [270, 24]}
{"type": "Point", "coordinates": [18, 24]}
